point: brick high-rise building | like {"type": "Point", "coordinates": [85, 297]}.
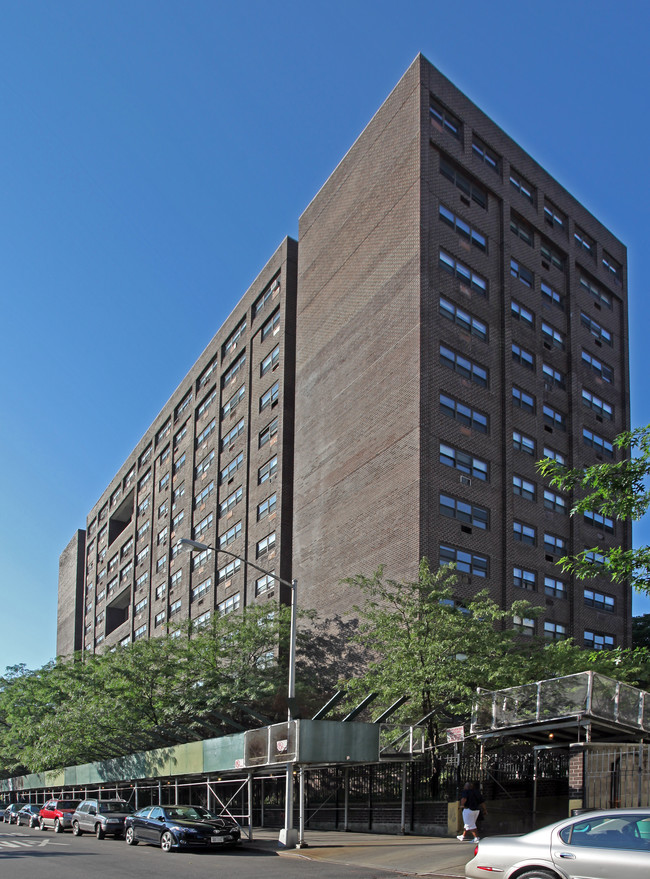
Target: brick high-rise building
{"type": "Point", "coordinates": [450, 315]}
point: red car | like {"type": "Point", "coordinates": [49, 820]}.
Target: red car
{"type": "Point", "coordinates": [57, 814]}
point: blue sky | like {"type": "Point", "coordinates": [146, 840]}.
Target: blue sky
{"type": "Point", "coordinates": [154, 153]}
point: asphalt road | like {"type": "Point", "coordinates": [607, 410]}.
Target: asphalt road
{"type": "Point", "coordinates": [33, 854]}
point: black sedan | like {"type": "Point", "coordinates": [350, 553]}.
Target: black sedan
{"type": "Point", "coordinates": [179, 827]}
{"type": "Point", "coordinates": [29, 815]}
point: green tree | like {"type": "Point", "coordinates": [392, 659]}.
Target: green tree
{"type": "Point", "coordinates": [616, 490]}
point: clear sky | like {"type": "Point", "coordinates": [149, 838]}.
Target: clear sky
{"type": "Point", "coordinates": [154, 153]}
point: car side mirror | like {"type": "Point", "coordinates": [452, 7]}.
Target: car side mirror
{"type": "Point", "coordinates": [161, 817]}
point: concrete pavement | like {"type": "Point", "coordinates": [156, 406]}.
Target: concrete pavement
{"type": "Point", "coordinates": [410, 855]}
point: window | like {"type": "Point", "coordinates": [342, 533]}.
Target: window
{"type": "Point", "coordinates": [466, 321]}
{"type": "Point", "coordinates": [176, 578]}
{"type": "Point", "coordinates": [596, 558]}
{"type": "Point", "coordinates": [266, 507]}
{"type": "Point", "coordinates": [595, 291]}
{"type": "Point", "coordinates": [522, 314]}
{"type": "Point", "coordinates": [465, 415]}
{"type": "Point", "coordinates": [176, 521]}
{"type": "Point", "coordinates": [230, 535]}
{"type": "Point", "coordinates": [604, 372]}
{"type": "Point", "coordinates": [583, 242]}
{"type": "Point", "coordinates": [164, 431]}
{"type": "Point", "coordinates": [267, 470]}
{"type": "Point", "coordinates": [523, 443]}
{"type": "Point", "coordinates": [207, 402]}
{"type": "Point", "coordinates": [264, 584]}
{"type": "Point", "coordinates": [112, 563]}
{"type": "Point", "coordinates": [485, 154]}
{"type": "Point", "coordinates": [178, 438]}
{"type": "Point", "coordinates": [231, 342]}
{"type": "Point", "coordinates": [182, 406]}
{"type": "Point", "coordinates": [612, 267]}
{"type": "Point", "coordinates": [524, 533]}
{"type": "Point", "coordinates": [141, 605]}
{"type": "Point", "coordinates": [523, 487]}
{"type": "Point", "coordinates": [143, 506]}
{"type": "Point", "coordinates": [595, 329]}
{"type": "Point", "coordinates": [161, 563]}
{"type": "Point", "coordinates": [163, 509]}
{"type": "Point", "coordinates": [464, 274]}
{"type": "Point", "coordinates": [464, 229]}
{"type": "Point", "coordinates": [111, 585]}
{"type": "Point", "coordinates": [267, 433]}
{"type": "Point", "coordinates": [551, 296]}
{"type": "Point", "coordinates": [202, 620]}
{"type": "Point", "coordinates": [209, 371]}
{"type": "Point", "coordinates": [443, 119]}
{"type": "Point", "coordinates": [203, 466]}
{"type": "Point", "coordinates": [159, 619]}
{"type": "Point", "coordinates": [523, 625]}
{"type": "Point", "coordinates": [522, 356]}
{"type": "Point", "coordinates": [125, 573]}
{"type": "Point", "coordinates": [205, 433]}
{"type": "Point", "coordinates": [598, 640]}
{"type": "Point", "coordinates": [598, 520]}
{"type": "Point", "coordinates": [162, 536]}
{"type": "Point", "coordinates": [229, 438]}
{"type": "Point", "coordinates": [468, 187]}
{"type": "Point", "coordinates": [142, 555]}
{"type": "Point", "coordinates": [233, 402]}
{"type": "Point", "coordinates": [591, 401]}
{"type": "Point", "coordinates": [163, 482]}
{"type": "Point", "coordinates": [553, 216]}
{"type": "Point", "coordinates": [144, 457]}
{"type": "Point", "coordinates": [271, 326]}
{"type": "Point", "coordinates": [522, 399]}
{"type": "Point", "coordinates": [553, 453]}
{"type": "Point", "coordinates": [552, 338]}
{"type": "Point", "coordinates": [470, 514]}
{"type": "Point", "coordinates": [231, 373]}
{"type": "Point", "coordinates": [464, 367]}
{"type": "Point", "coordinates": [199, 559]}
{"type": "Point", "coordinates": [551, 256]}
{"type": "Point", "coordinates": [229, 605]}
{"type": "Point", "coordinates": [463, 462]}
{"type": "Point", "coordinates": [555, 544]}
{"type": "Point", "coordinates": [269, 294]}
{"type": "Point", "coordinates": [229, 570]}
{"type": "Point", "coordinates": [554, 502]}
{"type": "Point", "coordinates": [599, 443]}
{"type": "Point", "coordinates": [231, 501]}
{"type": "Point", "coordinates": [521, 229]}
{"type": "Point", "coordinates": [518, 271]}
{"type": "Point", "coordinates": [128, 479]}
{"type": "Point", "coordinates": [266, 544]}
{"type": "Point", "coordinates": [466, 562]}
{"type": "Point", "coordinates": [554, 418]}
{"type": "Point", "coordinates": [523, 579]}
{"type": "Point", "coordinates": [201, 589]}
{"type": "Point", "coordinates": [161, 590]}
{"type": "Point", "coordinates": [518, 182]}
{"type": "Point", "coordinates": [554, 631]}
{"type": "Point", "coordinates": [599, 600]}
{"type": "Point", "coordinates": [269, 397]}
{"type": "Point", "coordinates": [270, 361]}
{"type": "Point", "coordinates": [140, 632]}
{"type": "Point", "coordinates": [178, 463]}
{"type": "Point", "coordinates": [554, 588]}
{"type": "Point", "coordinates": [204, 525]}
{"type": "Point", "coordinates": [232, 467]}
{"type": "Point", "coordinates": [553, 378]}
{"type": "Point", "coordinates": [175, 607]}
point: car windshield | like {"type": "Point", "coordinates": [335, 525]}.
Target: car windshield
{"type": "Point", "coordinates": [188, 812]}
{"type": "Point", "coordinates": [67, 804]}
{"type": "Point", "coordinates": [115, 807]}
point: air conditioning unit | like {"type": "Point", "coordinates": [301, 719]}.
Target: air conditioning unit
{"type": "Point", "coordinates": [465, 480]}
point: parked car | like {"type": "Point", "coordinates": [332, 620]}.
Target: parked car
{"type": "Point", "coordinates": [29, 815]}
{"type": "Point", "coordinates": [101, 817]}
{"type": "Point", "coordinates": [610, 844]}
{"type": "Point", "coordinates": [57, 814]}
{"type": "Point", "coordinates": [10, 812]}
{"type": "Point", "coordinates": [179, 827]}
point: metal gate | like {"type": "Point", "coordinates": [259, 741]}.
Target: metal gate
{"type": "Point", "coordinates": [617, 776]}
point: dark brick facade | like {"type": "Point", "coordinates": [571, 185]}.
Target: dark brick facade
{"type": "Point", "coordinates": [440, 271]}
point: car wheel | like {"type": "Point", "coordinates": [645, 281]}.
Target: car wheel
{"type": "Point", "coordinates": [76, 830]}
{"type": "Point", "coordinates": [99, 832]}
{"type": "Point", "coordinates": [129, 836]}
{"type": "Point", "coordinates": [41, 824]}
{"type": "Point", "coordinates": [58, 827]}
{"type": "Point", "coordinates": [166, 841]}
{"type": "Point", "coordinates": [537, 874]}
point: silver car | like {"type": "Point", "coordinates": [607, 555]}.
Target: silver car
{"type": "Point", "coordinates": [608, 844]}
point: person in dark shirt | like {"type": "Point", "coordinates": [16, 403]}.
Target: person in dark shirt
{"type": "Point", "coordinates": [472, 804]}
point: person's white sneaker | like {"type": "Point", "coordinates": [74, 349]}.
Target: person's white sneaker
{"type": "Point", "coordinates": [461, 838]}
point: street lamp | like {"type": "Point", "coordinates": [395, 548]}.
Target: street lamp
{"type": "Point", "coordinates": [288, 835]}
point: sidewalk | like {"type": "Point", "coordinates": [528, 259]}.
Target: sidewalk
{"type": "Point", "coordinates": [413, 855]}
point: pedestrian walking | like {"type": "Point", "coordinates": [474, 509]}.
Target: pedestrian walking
{"type": "Point", "coordinates": [472, 805]}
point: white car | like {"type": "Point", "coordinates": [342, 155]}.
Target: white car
{"type": "Point", "coordinates": [607, 844]}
